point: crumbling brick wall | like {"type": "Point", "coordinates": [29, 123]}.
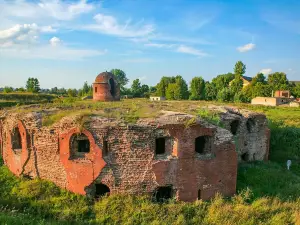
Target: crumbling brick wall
{"type": "Point", "coordinates": [122, 156]}
{"type": "Point", "coordinates": [251, 133]}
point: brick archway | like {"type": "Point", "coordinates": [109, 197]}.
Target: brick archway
{"type": "Point", "coordinates": [16, 159]}
{"type": "Point", "coordinates": [80, 172]}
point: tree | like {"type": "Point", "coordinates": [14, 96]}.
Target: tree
{"type": "Point", "coordinates": [225, 95]}
{"type": "Point", "coordinates": [120, 77]}
{"type": "Point", "coordinates": [163, 85]}
{"type": "Point", "coordinates": [197, 88]}
{"type": "Point", "coordinates": [85, 88]}
{"type": "Point", "coordinates": [239, 68]}
{"type": "Point", "coordinates": [136, 88]}
{"type": "Point", "coordinates": [222, 81]}
{"type": "Point", "coordinates": [170, 92]}
{"type": "Point", "coordinates": [72, 92]}
{"type": "Point", "coordinates": [296, 91]}
{"type": "Point", "coordinates": [236, 85]}
{"type": "Point", "coordinates": [278, 81]}
{"type": "Point", "coordinates": [145, 91]}
{"type": "Point", "coordinates": [33, 85]}
{"type": "Point", "coordinates": [210, 91]}
{"type": "Point", "coordinates": [259, 78]}
{"type": "Point", "coordinates": [8, 89]}
{"type": "Point", "coordinates": [177, 90]}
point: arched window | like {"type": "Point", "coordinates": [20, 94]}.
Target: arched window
{"type": "Point", "coordinates": [234, 126]}
{"type": "Point", "coordinates": [112, 87]}
{"type": "Point", "coordinates": [79, 144]}
{"type": "Point", "coordinates": [164, 193]}
{"type": "Point", "coordinates": [101, 190]}
{"type": "Point", "coordinates": [16, 139]}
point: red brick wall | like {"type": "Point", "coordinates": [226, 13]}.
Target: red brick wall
{"type": "Point", "coordinates": [131, 165]}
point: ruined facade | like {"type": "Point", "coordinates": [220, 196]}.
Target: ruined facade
{"type": "Point", "coordinates": [172, 156]}
{"type": "Point", "coordinates": [161, 157]}
{"type": "Point", "coordinates": [250, 132]}
{"type": "Point", "coordinates": [106, 88]}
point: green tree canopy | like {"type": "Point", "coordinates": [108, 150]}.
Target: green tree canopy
{"type": "Point", "coordinates": [136, 88]}
{"type": "Point", "coordinates": [72, 92]}
{"type": "Point", "coordinates": [222, 81]}
{"type": "Point", "coordinates": [163, 85]}
{"type": "Point", "coordinates": [177, 90]}
{"type": "Point", "coordinates": [210, 91]}
{"type": "Point", "coordinates": [197, 88]}
{"type": "Point", "coordinates": [239, 68]}
{"type": "Point", "coordinates": [278, 81]}
{"type": "Point", "coordinates": [259, 78]}
{"type": "Point", "coordinates": [121, 77]}
{"type": "Point", "coordinates": [7, 89]}
{"type": "Point", "coordinates": [33, 85]}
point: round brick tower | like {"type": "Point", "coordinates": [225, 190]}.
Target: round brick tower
{"type": "Point", "coordinates": [106, 88]}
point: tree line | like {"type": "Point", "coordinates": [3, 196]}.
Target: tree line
{"type": "Point", "coordinates": [225, 87]}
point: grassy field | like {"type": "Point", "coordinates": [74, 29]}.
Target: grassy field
{"type": "Point", "coordinates": [267, 193]}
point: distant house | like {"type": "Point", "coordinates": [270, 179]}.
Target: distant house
{"type": "Point", "coordinates": [157, 98]}
{"type": "Point", "coordinates": [246, 81]}
{"type": "Point", "coordinates": [281, 93]}
{"type": "Point", "coordinates": [280, 97]}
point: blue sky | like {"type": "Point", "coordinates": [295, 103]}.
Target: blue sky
{"type": "Point", "coordinates": [64, 43]}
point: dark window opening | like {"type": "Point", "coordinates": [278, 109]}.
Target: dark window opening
{"type": "Point", "coordinates": [112, 87]}
{"type": "Point", "coordinates": [160, 146]}
{"type": "Point", "coordinates": [80, 144]}
{"type": "Point", "coordinates": [250, 125]}
{"type": "Point", "coordinates": [16, 139]}
{"type": "Point", "coordinates": [95, 89]}
{"type": "Point", "coordinates": [105, 148]}
{"type": "Point", "coordinates": [163, 194]}
{"type": "Point", "coordinates": [234, 126]}
{"type": "Point", "coordinates": [101, 190]}
{"type": "Point", "coordinates": [199, 194]}
{"type": "Point", "coordinates": [200, 143]}
{"type": "Point", "coordinates": [83, 146]}
{"type": "Point", "coordinates": [245, 157]}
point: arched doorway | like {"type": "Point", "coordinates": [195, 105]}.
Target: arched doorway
{"type": "Point", "coordinates": [162, 194]}
{"type": "Point", "coordinates": [16, 139]}
{"type": "Point", "coordinates": [101, 190]}
{"type": "Point", "coordinates": [112, 87]}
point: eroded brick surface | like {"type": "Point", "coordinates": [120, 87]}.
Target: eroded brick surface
{"type": "Point", "coordinates": [129, 163]}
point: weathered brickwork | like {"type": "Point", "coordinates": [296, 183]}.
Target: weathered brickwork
{"type": "Point", "coordinates": [124, 158]}
{"type": "Point", "coordinates": [106, 88]}
{"type": "Point", "coordinates": [251, 133]}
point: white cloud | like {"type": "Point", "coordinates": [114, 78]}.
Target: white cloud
{"type": "Point", "coordinates": [22, 34]}
{"type": "Point", "coordinates": [109, 25]}
{"type": "Point", "coordinates": [56, 9]}
{"type": "Point", "coordinates": [158, 45]}
{"type": "Point", "coordinates": [48, 52]}
{"type": "Point", "coordinates": [190, 50]}
{"type": "Point", "coordinates": [54, 41]}
{"type": "Point", "coordinates": [266, 71]}
{"type": "Point", "coordinates": [19, 34]}
{"type": "Point", "coordinates": [246, 48]}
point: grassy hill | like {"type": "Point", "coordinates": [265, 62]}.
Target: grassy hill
{"type": "Point", "coordinates": [267, 193]}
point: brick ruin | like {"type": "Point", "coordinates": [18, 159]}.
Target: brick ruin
{"type": "Point", "coordinates": [166, 157]}
{"type": "Point", "coordinates": [106, 88]}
